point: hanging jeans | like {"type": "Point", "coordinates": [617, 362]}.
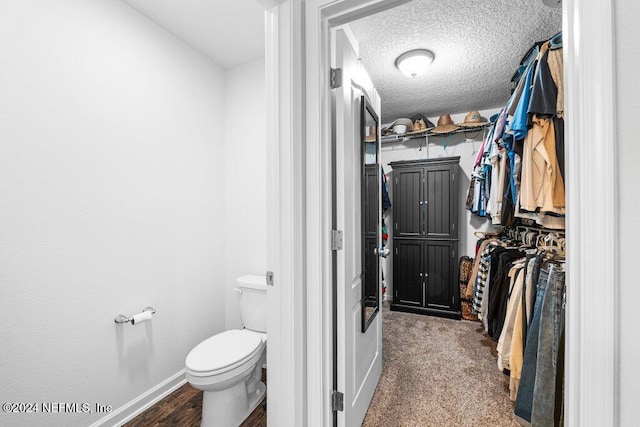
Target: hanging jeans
{"type": "Point", "coordinates": [551, 326]}
{"type": "Point", "coordinates": [526, 388]}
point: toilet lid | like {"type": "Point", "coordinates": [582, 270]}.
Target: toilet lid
{"type": "Point", "coordinates": [222, 350]}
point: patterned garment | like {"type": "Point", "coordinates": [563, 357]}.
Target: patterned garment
{"type": "Point", "coordinates": [466, 268]}
{"type": "Point", "coordinates": [481, 280]}
{"type": "Point", "coordinates": [472, 186]}
{"type": "Point", "coordinates": [467, 313]}
{"type": "Point", "coordinates": [476, 264]}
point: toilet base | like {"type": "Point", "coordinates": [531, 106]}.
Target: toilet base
{"type": "Point", "coordinates": [230, 407]}
{"type": "Point", "coordinates": [255, 399]}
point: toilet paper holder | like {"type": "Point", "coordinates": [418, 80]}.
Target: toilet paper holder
{"type": "Point", "coordinates": [121, 318]}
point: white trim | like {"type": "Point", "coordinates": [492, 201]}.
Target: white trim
{"type": "Point", "coordinates": [318, 16]}
{"type": "Point", "coordinates": [319, 203]}
{"type": "Point", "coordinates": [285, 214]}
{"type": "Point", "coordinates": [592, 392]}
{"type": "Point", "coordinates": [135, 407]}
{"type": "Point", "coordinates": [592, 280]}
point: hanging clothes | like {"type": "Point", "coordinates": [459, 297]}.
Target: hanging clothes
{"type": "Point", "coordinates": [502, 260]}
{"type": "Point", "coordinates": [539, 396]}
{"type": "Point", "coordinates": [517, 286]}
{"type": "Point", "coordinates": [519, 171]}
{"type": "Point", "coordinates": [514, 300]}
{"type": "Point", "coordinates": [386, 200]}
{"type": "Point", "coordinates": [520, 294]}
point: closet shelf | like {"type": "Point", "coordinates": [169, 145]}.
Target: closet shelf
{"type": "Point", "coordinates": [403, 137]}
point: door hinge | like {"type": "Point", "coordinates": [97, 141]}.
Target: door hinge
{"type": "Point", "coordinates": [335, 78]}
{"type": "Point", "coordinates": [453, 225]}
{"type": "Point", "coordinates": [336, 240]}
{"type": "Point", "coordinates": [453, 300]}
{"type": "Point", "coordinates": [396, 251]}
{"type": "Point", "coordinates": [454, 177]}
{"type": "Point", "coordinates": [453, 254]}
{"type": "Point", "coordinates": [396, 179]}
{"type": "Point", "coordinates": [396, 226]}
{"type": "Point", "coordinates": [337, 401]}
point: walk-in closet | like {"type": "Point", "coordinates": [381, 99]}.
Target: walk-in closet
{"type": "Point", "coordinates": [473, 221]}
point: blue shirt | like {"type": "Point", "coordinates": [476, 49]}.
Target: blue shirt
{"type": "Point", "coordinates": [519, 122]}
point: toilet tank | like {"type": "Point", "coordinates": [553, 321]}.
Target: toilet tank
{"type": "Point", "coordinates": [253, 302]}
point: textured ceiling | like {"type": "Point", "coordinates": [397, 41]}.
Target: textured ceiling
{"type": "Point", "coordinates": [231, 32]}
{"type": "Point", "coordinates": [478, 45]}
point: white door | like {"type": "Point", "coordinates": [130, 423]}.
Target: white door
{"type": "Point", "coordinates": [359, 354]}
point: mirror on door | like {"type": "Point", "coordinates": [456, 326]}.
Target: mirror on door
{"type": "Point", "coordinates": [370, 202]}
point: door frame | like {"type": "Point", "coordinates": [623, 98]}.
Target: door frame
{"type": "Point", "coordinates": [299, 182]}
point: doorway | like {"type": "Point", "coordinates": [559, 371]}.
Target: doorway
{"type": "Point", "coordinates": [429, 175]}
{"type": "Point", "coordinates": [598, 368]}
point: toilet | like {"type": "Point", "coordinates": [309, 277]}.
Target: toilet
{"type": "Point", "coordinates": [228, 366]}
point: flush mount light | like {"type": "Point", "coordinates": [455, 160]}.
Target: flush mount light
{"type": "Point", "coordinates": [414, 62]}
{"type": "Point", "coordinates": [552, 3]}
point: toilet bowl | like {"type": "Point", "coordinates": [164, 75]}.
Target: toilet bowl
{"type": "Point", "coordinates": [228, 366]}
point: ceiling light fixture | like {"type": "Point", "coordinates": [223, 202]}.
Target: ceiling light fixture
{"type": "Point", "coordinates": [414, 62]}
{"type": "Point", "coordinates": [552, 3]}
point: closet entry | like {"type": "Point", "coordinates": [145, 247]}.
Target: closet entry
{"type": "Point", "coordinates": [513, 126]}
{"type": "Point", "coordinates": [426, 238]}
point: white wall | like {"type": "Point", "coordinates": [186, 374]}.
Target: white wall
{"type": "Point", "coordinates": [628, 110]}
{"type": "Point", "coordinates": [245, 170]}
{"type": "Point", "coordinates": [111, 199]}
{"type": "Point", "coordinates": [452, 146]}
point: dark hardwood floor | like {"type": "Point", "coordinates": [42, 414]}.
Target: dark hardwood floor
{"type": "Point", "coordinates": [183, 408]}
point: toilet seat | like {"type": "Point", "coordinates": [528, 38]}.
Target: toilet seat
{"type": "Point", "coordinates": [223, 352]}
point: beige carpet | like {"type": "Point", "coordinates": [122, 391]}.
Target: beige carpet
{"type": "Point", "coordinates": [438, 372]}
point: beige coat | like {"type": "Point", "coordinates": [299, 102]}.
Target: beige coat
{"type": "Point", "coordinates": [542, 186]}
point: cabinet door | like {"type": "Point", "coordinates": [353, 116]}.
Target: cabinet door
{"type": "Point", "coordinates": [439, 262]}
{"type": "Point", "coordinates": [407, 272]}
{"type": "Point", "coordinates": [407, 210]}
{"type": "Point", "coordinates": [440, 196]}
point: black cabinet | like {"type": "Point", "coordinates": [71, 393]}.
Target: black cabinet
{"type": "Point", "coordinates": [425, 198]}
{"type": "Point", "coordinates": [407, 272]}
{"type": "Point", "coordinates": [440, 267]}
{"type": "Point", "coordinates": [425, 237]}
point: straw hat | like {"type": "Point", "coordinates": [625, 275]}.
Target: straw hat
{"type": "Point", "coordinates": [420, 124]}
{"type": "Point", "coordinates": [473, 119]}
{"type": "Point", "coordinates": [445, 125]}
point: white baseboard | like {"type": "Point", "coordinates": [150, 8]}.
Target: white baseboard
{"type": "Point", "coordinates": [135, 407]}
